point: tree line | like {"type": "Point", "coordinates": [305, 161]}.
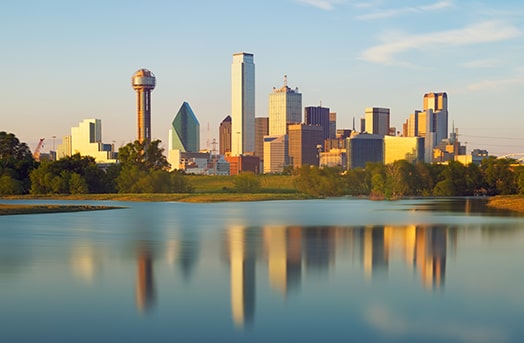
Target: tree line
{"type": "Point", "coordinates": [142, 168]}
{"type": "Point", "coordinates": [491, 177]}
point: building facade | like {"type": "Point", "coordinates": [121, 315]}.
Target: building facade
{"type": "Point", "coordinates": [410, 149]}
{"type": "Point", "coordinates": [184, 134]}
{"type": "Point", "coordinates": [225, 136]}
{"type": "Point", "coordinates": [364, 148]}
{"type": "Point", "coordinates": [242, 104]}
{"type": "Point", "coordinates": [305, 144]}
{"type": "Point", "coordinates": [86, 140]}
{"type": "Point", "coordinates": [332, 125]}
{"type": "Point", "coordinates": [285, 107]}
{"type": "Point", "coordinates": [318, 115]}
{"type": "Point", "coordinates": [377, 120]}
{"type": "Point", "coordinates": [261, 130]}
{"type": "Point", "coordinates": [275, 153]}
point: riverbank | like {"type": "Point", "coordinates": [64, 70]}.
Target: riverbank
{"type": "Point", "coordinates": [11, 209]}
{"type": "Point", "coordinates": [162, 197]}
{"type": "Point", "coordinates": [507, 202]}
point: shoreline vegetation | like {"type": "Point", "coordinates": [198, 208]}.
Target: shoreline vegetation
{"type": "Point", "coordinates": [12, 209]}
{"type": "Point", "coordinates": [507, 202]}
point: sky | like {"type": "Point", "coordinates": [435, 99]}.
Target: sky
{"type": "Point", "coordinates": [66, 61]}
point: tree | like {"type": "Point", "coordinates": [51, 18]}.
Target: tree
{"type": "Point", "coordinates": [498, 175]}
{"type": "Point", "coordinates": [16, 161]}
{"type": "Point", "coordinates": [145, 156]}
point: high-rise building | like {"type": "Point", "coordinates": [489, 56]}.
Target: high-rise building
{"type": "Point", "coordinates": [318, 115]}
{"type": "Point", "coordinates": [242, 104]}
{"type": "Point", "coordinates": [261, 130]}
{"type": "Point", "coordinates": [275, 153]}
{"type": "Point", "coordinates": [438, 104]}
{"type": "Point", "coordinates": [410, 149]}
{"type": "Point", "coordinates": [184, 134]}
{"type": "Point", "coordinates": [363, 148]}
{"type": "Point", "coordinates": [305, 144]}
{"type": "Point", "coordinates": [86, 140]}
{"type": "Point", "coordinates": [225, 136]}
{"type": "Point", "coordinates": [377, 120]}
{"type": "Point", "coordinates": [143, 82]}
{"type": "Point", "coordinates": [285, 107]}
{"type": "Point", "coordinates": [332, 125]}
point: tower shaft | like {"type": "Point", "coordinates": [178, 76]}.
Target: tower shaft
{"type": "Point", "coordinates": [143, 115]}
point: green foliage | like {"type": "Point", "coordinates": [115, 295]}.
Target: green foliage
{"type": "Point", "coordinates": [16, 161]}
{"type": "Point", "coordinates": [77, 184]}
{"type": "Point", "coordinates": [444, 188]}
{"type": "Point", "coordinates": [10, 186]}
{"type": "Point", "coordinates": [144, 156]}
{"type": "Point", "coordinates": [246, 182]}
{"type": "Point", "coordinates": [316, 181]}
{"type": "Point", "coordinates": [499, 175]}
{"type": "Point", "coordinates": [520, 180]}
{"type": "Point", "coordinates": [358, 182]}
{"type": "Point", "coordinates": [135, 180]}
{"type": "Point", "coordinates": [74, 174]}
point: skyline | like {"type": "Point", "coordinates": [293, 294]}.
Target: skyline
{"type": "Point", "coordinates": [68, 62]}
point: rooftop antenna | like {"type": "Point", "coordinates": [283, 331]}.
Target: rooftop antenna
{"type": "Point", "coordinates": [285, 80]}
{"type": "Point", "coordinates": [353, 123]}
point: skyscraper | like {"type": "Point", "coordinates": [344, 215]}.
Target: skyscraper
{"type": "Point", "coordinates": [285, 107]}
{"type": "Point", "coordinates": [184, 134]}
{"type": "Point", "coordinates": [261, 130]}
{"type": "Point", "coordinates": [332, 125]}
{"type": "Point", "coordinates": [242, 104]}
{"type": "Point", "coordinates": [225, 136]}
{"type": "Point", "coordinates": [377, 121]}
{"type": "Point", "coordinates": [438, 104]}
{"type": "Point", "coordinates": [143, 81]}
{"type": "Point", "coordinates": [318, 115]}
{"type": "Point", "coordinates": [305, 141]}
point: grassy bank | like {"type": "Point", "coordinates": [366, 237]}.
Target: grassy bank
{"type": "Point", "coordinates": [9, 209]}
{"type": "Point", "coordinates": [508, 202]}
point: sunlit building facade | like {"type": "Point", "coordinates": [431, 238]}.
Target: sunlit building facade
{"type": "Point", "coordinates": [410, 149]}
{"type": "Point", "coordinates": [86, 140]}
{"type": "Point", "coordinates": [377, 120]}
{"type": "Point", "coordinates": [242, 104]}
{"type": "Point", "coordinates": [275, 153]}
{"type": "Point", "coordinates": [285, 107]}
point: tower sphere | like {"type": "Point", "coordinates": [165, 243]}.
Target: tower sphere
{"type": "Point", "coordinates": [143, 79]}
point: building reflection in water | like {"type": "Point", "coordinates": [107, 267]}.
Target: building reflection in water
{"type": "Point", "coordinates": [430, 255]}
{"type": "Point", "coordinates": [242, 269]}
{"type": "Point", "coordinates": [145, 286]}
{"type": "Point", "coordinates": [283, 247]}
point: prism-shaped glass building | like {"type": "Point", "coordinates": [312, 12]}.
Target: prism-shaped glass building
{"type": "Point", "coordinates": [184, 134]}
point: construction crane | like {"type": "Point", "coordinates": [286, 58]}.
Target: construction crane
{"type": "Point", "coordinates": [36, 154]}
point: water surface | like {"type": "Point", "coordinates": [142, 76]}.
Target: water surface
{"type": "Point", "coordinates": [334, 270]}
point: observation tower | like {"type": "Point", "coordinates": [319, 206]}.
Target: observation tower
{"type": "Point", "coordinates": [143, 81]}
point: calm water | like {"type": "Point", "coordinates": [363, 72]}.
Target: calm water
{"type": "Point", "coordinates": [336, 270]}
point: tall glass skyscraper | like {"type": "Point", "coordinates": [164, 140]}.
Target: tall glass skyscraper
{"type": "Point", "coordinates": [242, 104]}
{"type": "Point", "coordinates": [184, 134]}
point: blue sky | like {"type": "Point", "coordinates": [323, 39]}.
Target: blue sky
{"type": "Point", "coordinates": [65, 61]}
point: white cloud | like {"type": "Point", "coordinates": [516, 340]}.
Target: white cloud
{"type": "Point", "coordinates": [495, 84]}
{"type": "Point", "coordinates": [322, 4]}
{"type": "Point", "coordinates": [491, 31]}
{"type": "Point", "coordinates": [399, 11]}
{"type": "Point", "coordinates": [483, 63]}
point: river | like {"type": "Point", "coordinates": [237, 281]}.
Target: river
{"type": "Point", "coordinates": [332, 270]}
